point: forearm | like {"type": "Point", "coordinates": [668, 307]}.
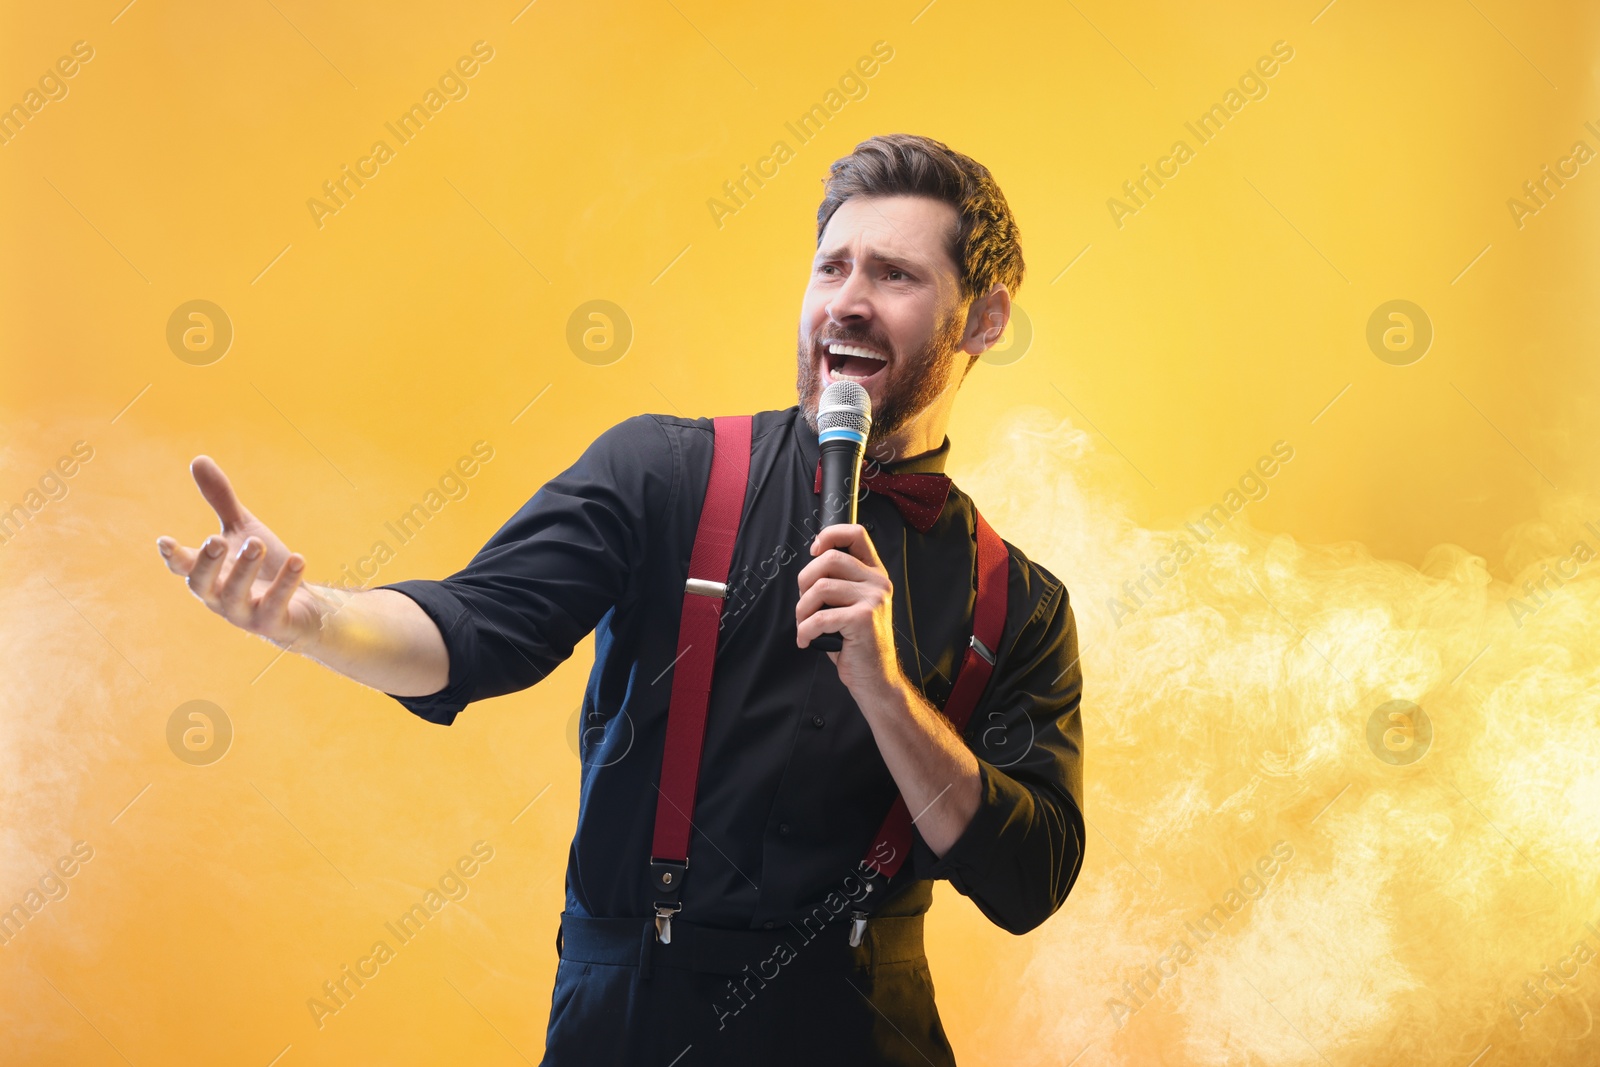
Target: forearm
{"type": "Point", "coordinates": [1022, 853]}
{"type": "Point", "coordinates": [935, 770]}
{"type": "Point", "coordinates": [380, 638]}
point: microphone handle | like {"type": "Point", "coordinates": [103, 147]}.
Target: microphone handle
{"type": "Point", "coordinates": [841, 469]}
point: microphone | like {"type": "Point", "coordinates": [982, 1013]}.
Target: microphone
{"type": "Point", "coordinates": [844, 416]}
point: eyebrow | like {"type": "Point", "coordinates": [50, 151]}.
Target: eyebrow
{"type": "Point", "coordinates": [875, 256]}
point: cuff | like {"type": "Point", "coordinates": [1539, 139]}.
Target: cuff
{"type": "Point", "coordinates": [1002, 800]}
{"type": "Point", "coordinates": [451, 615]}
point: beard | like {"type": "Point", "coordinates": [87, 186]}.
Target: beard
{"type": "Point", "coordinates": [907, 387]}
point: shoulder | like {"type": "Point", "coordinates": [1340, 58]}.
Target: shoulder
{"type": "Point", "coordinates": [1042, 633]}
{"type": "Point", "coordinates": [1037, 600]}
{"type": "Point", "coordinates": [1045, 594]}
{"type": "Point", "coordinates": [644, 431]}
{"type": "Point", "coordinates": [646, 444]}
{"type": "Point", "coordinates": [678, 428]}
{"type": "Point", "coordinates": [665, 456]}
{"type": "Point", "coordinates": [688, 440]}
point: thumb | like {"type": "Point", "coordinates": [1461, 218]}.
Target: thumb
{"type": "Point", "coordinates": [214, 486]}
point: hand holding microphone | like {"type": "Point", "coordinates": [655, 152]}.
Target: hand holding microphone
{"type": "Point", "coordinates": [844, 418]}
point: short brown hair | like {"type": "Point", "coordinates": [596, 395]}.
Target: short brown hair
{"type": "Point", "coordinates": [986, 245]}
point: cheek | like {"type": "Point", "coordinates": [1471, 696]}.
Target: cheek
{"type": "Point", "coordinates": [913, 337]}
{"type": "Point", "coordinates": [900, 326]}
{"type": "Point", "coordinates": [953, 324]}
{"type": "Point", "coordinates": [813, 311]}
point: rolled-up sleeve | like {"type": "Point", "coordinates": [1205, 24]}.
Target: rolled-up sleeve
{"type": "Point", "coordinates": [1020, 855]}
{"type": "Point", "coordinates": [547, 577]}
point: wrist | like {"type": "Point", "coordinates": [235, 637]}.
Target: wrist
{"type": "Point", "coordinates": [319, 635]}
{"type": "Point", "coordinates": [892, 692]}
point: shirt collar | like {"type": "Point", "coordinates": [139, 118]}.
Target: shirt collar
{"type": "Point", "coordinates": [927, 463]}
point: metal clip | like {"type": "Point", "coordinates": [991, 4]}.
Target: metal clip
{"type": "Point", "coordinates": [982, 650]}
{"type": "Point", "coordinates": [704, 587]}
{"type": "Point", "coordinates": [858, 926]}
{"type": "Point", "coordinates": [664, 914]}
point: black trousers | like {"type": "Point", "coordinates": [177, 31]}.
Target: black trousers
{"type": "Point", "coordinates": [710, 997]}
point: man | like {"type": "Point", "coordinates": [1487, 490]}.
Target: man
{"type": "Point", "coordinates": [804, 752]}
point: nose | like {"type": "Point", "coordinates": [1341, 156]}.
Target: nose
{"type": "Point", "coordinates": [851, 301]}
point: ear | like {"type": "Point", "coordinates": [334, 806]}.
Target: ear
{"type": "Point", "coordinates": [986, 320]}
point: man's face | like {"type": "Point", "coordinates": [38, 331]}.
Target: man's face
{"type": "Point", "coordinates": [883, 308]}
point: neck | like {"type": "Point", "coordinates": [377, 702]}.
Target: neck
{"type": "Point", "coordinates": [921, 435]}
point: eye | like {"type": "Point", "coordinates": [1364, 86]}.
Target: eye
{"type": "Point", "coordinates": [896, 274]}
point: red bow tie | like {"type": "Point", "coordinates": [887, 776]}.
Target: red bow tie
{"type": "Point", "coordinates": [920, 497]}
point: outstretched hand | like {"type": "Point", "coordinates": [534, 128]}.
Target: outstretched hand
{"type": "Point", "coordinates": [244, 573]}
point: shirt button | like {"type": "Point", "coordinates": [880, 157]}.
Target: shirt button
{"type": "Point", "coordinates": [783, 829]}
{"type": "Point", "coordinates": [768, 925]}
{"type": "Point", "coordinates": [817, 721]}
{"type": "Point", "coordinates": [870, 527]}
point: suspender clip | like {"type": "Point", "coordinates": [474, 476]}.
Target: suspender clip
{"type": "Point", "coordinates": [858, 926]}
{"type": "Point", "coordinates": [983, 650]}
{"type": "Point", "coordinates": [704, 587]}
{"type": "Point", "coordinates": [664, 914]}
{"type": "Point", "coordinates": [666, 878]}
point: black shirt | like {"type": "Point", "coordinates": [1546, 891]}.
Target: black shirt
{"type": "Point", "coordinates": [792, 786]}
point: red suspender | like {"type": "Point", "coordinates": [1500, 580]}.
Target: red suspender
{"type": "Point", "coordinates": [697, 652]}
{"type": "Point", "coordinates": [697, 649]}
{"type": "Point", "coordinates": [892, 842]}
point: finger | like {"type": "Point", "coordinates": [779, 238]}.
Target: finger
{"type": "Point", "coordinates": [276, 599]}
{"type": "Point", "coordinates": [203, 576]}
{"type": "Point", "coordinates": [218, 491]}
{"type": "Point", "coordinates": [234, 595]}
{"type": "Point", "coordinates": [179, 559]}
{"type": "Point", "coordinates": [829, 593]}
{"type": "Point", "coordinates": [836, 564]}
{"type": "Point", "coordinates": [846, 537]}
{"type": "Point", "coordinates": [828, 621]}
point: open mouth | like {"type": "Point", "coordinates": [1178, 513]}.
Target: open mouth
{"type": "Point", "coordinates": [850, 362]}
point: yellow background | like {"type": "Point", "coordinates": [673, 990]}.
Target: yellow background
{"type": "Point", "coordinates": [1167, 354]}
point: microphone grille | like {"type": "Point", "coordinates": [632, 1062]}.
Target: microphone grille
{"type": "Point", "coordinates": [845, 406]}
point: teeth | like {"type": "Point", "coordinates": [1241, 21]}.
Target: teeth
{"type": "Point", "coordinates": [838, 349]}
{"type": "Point", "coordinates": [855, 350]}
